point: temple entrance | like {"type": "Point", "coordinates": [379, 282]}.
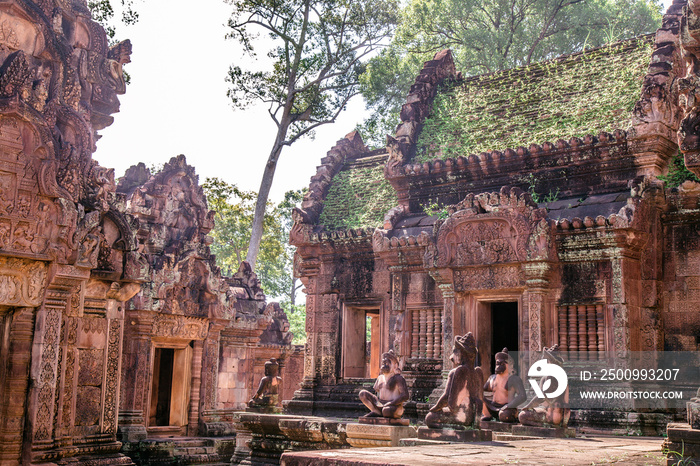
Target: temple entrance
{"type": "Point", "coordinates": [170, 389]}
{"type": "Point", "coordinates": [361, 350]}
{"type": "Point", "coordinates": [504, 329]}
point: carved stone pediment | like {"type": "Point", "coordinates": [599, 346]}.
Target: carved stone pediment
{"type": "Point", "coordinates": [494, 228]}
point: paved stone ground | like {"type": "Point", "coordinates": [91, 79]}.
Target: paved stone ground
{"type": "Point", "coordinates": [589, 451]}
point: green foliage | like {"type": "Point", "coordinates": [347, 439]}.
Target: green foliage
{"type": "Point", "coordinates": [677, 172]}
{"type": "Point", "coordinates": [433, 208]}
{"type": "Point", "coordinates": [317, 56]}
{"type": "Point", "coordinates": [296, 314]}
{"type": "Point", "coordinates": [584, 94]}
{"type": "Point", "coordinates": [234, 214]}
{"type": "Point", "coordinates": [490, 35]}
{"type": "Point", "coordinates": [532, 184]}
{"type": "Point", "coordinates": [359, 197]}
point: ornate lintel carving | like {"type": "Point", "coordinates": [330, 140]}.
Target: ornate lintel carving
{"type": "Point", "coordinates": [22, 282]}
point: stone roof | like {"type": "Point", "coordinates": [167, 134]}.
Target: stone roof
{"type": "Point", "coordinates": [358, 196]}
{"type": "Point", "coordinates": [570, 96]}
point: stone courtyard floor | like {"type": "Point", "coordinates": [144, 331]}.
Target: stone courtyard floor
{"type": "Point", "coordinates": [590, 450]}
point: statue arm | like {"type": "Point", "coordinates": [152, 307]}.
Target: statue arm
{"type": "Point", "coordinates": [517, 385]}
{"type": "Point", "coordinates": [442, 401]}
{"type": "Point", "coordinates": [261, 388]}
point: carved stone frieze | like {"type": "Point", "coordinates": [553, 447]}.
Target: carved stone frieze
{"type": "Point", "coordinates": [188, 328]}
{"type": "Point", "coordinates": [22, 282]}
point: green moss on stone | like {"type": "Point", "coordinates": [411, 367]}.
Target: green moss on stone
{"type": "Point", "coordinates": [571, 96]}
{"type": "Point", "coordinates": [359, 196]}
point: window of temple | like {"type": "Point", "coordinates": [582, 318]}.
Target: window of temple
{"type": "Point", "coordinates": [581, 330]}
{"type": "Point", "coordinates": [170, 390]}
{"type": "Point", "coordinates": [361, 343]}
{"type": "Point", "coordinates": [426, 335]}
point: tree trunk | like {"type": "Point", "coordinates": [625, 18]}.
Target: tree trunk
{"type": "Point", "coordinates": [264, 192]}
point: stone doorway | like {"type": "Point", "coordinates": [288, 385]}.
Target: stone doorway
{"type": "Point", "coordinates": [170, 387]}
{"type": "Point", "coordinates": [361, 349]}
{"type": "Point", "coordinates": [504, 329]}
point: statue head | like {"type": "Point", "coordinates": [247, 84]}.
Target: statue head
{"type": "Point", "coordinates": [464, 352]}
{"type": "Point", "coordinates": [272, 368]}
{"type": "Point", "coordinates": [390, 363]}
{"type": "Point", "coordinates": [504, 362]}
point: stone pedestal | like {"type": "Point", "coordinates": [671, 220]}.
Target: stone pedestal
{"type": "Point", "coordinates": [455, 435]}
{"type": "Point", "coordinates": [496, 426]}
{"type": "Point", "coordinates": [546, 432]}
{"type": "Point", "coordinates": [377, 435]}
{"type": "Point", "coordinates": [682, 444]}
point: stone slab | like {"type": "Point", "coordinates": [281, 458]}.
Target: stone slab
{"type": "Point", "coordinates": [506, 437]}
{"type": "Point", "coordinates": [496, 426]}
{"type": "Point", "coordinates": [412, 442]}
{"type": "Point", "coordinates": [370, 435]}
{"type": "Point", "coordinates": [454, 435]}
{"type": "Point", "coordinates": [545, 432]}
{"type": "Point", "coordinates": [622, 450]}
{"type": "Point", "coordinates": [383, 421]}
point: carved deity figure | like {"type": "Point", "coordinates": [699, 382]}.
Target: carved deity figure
{"type": "Point", "coordinates": [508, 391]}
{"type": "Point", "coordinates": [548, 411]}
{"type": "Point", "coordinates": [391, 390]}
{"type": "Point", "coordinates": [267, 395]}
{"type": "Point", "coordinates": [463, 395]}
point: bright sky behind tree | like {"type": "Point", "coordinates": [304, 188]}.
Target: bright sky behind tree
{"type": "Point", "coordinates": [177, 104]}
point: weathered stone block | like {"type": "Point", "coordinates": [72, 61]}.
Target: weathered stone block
{"type": "Point", "coordinates": [455, 435]}
{"type": "Point", "coordinates": [369, 436]}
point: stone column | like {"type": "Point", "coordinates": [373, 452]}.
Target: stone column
{"type": "Point", "coordinates": [537, 280]}
{"type": "Point", "coordinates": [135, 375]}
{"type": "Point", "coordinates": [20, 330]}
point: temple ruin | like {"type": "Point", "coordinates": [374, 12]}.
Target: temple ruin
{"type": "Point", "coordinates": [116, 327]}
{"type": "Point", "coordinates": [523, 206]}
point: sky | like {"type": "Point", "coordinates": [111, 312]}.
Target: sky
{"type": "Point", "coordinates": [177, 104]}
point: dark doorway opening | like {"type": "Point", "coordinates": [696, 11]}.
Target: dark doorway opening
{"type": "Point", "coordinates": [504, 330]}
{"type": "Point", "coordinates": [162, 386]}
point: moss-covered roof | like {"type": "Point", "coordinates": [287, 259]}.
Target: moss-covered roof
{"type": "Point", "coordinates": [570, 96]}
{"type": "Point", "coordinates": [359, 196]}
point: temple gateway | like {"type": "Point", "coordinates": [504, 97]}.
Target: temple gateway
{"type": "Point", "coordinates": [524, 206]}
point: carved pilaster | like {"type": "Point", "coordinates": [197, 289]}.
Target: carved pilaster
{"type": "Point", "coordinates": [18, 333]}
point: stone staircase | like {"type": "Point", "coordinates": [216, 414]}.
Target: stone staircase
{"type": "Point", "coordinates": [184, 451]}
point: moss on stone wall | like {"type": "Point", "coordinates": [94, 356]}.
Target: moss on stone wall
{"type": "Point", "coordinates": [359, 196]}
{"type": "Point", "coordinates": [575, 95]}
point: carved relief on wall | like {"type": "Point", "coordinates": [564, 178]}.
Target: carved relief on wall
{"type": "Point", "coordinates": [188, 328]}
{"type": "Point", "coordinates": [479, 242]}
{"type": "Point", "coordinates": [22, 282]}
{"type": "Point", "coordinates": [488, 278]}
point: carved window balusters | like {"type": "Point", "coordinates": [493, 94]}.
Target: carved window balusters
{"type": "Point", "coordinates": [426, 336]}
{"type": "Point", "coordinates": [581, 330]}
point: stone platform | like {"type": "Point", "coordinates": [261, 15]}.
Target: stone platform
{"type": "Point", "coordinates": [497, 426]}
{"type": "Point", "coordinates": [454, 435]}
{"type": "Point", "coordinates": [682, 444]}
{"type": "Point", "coordinates": [552, 451]}
{"type": "Point", "coordinates": [377, 435]}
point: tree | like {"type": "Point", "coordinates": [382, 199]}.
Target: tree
{"type": "Point", "coordinates": [491, 35]}
{"type": "Point", "coordinates": [318, 52]}
{"type": "Point", "coordinates": [234, 214]}
{"type": "Point", "coordinates": [103, 12]}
